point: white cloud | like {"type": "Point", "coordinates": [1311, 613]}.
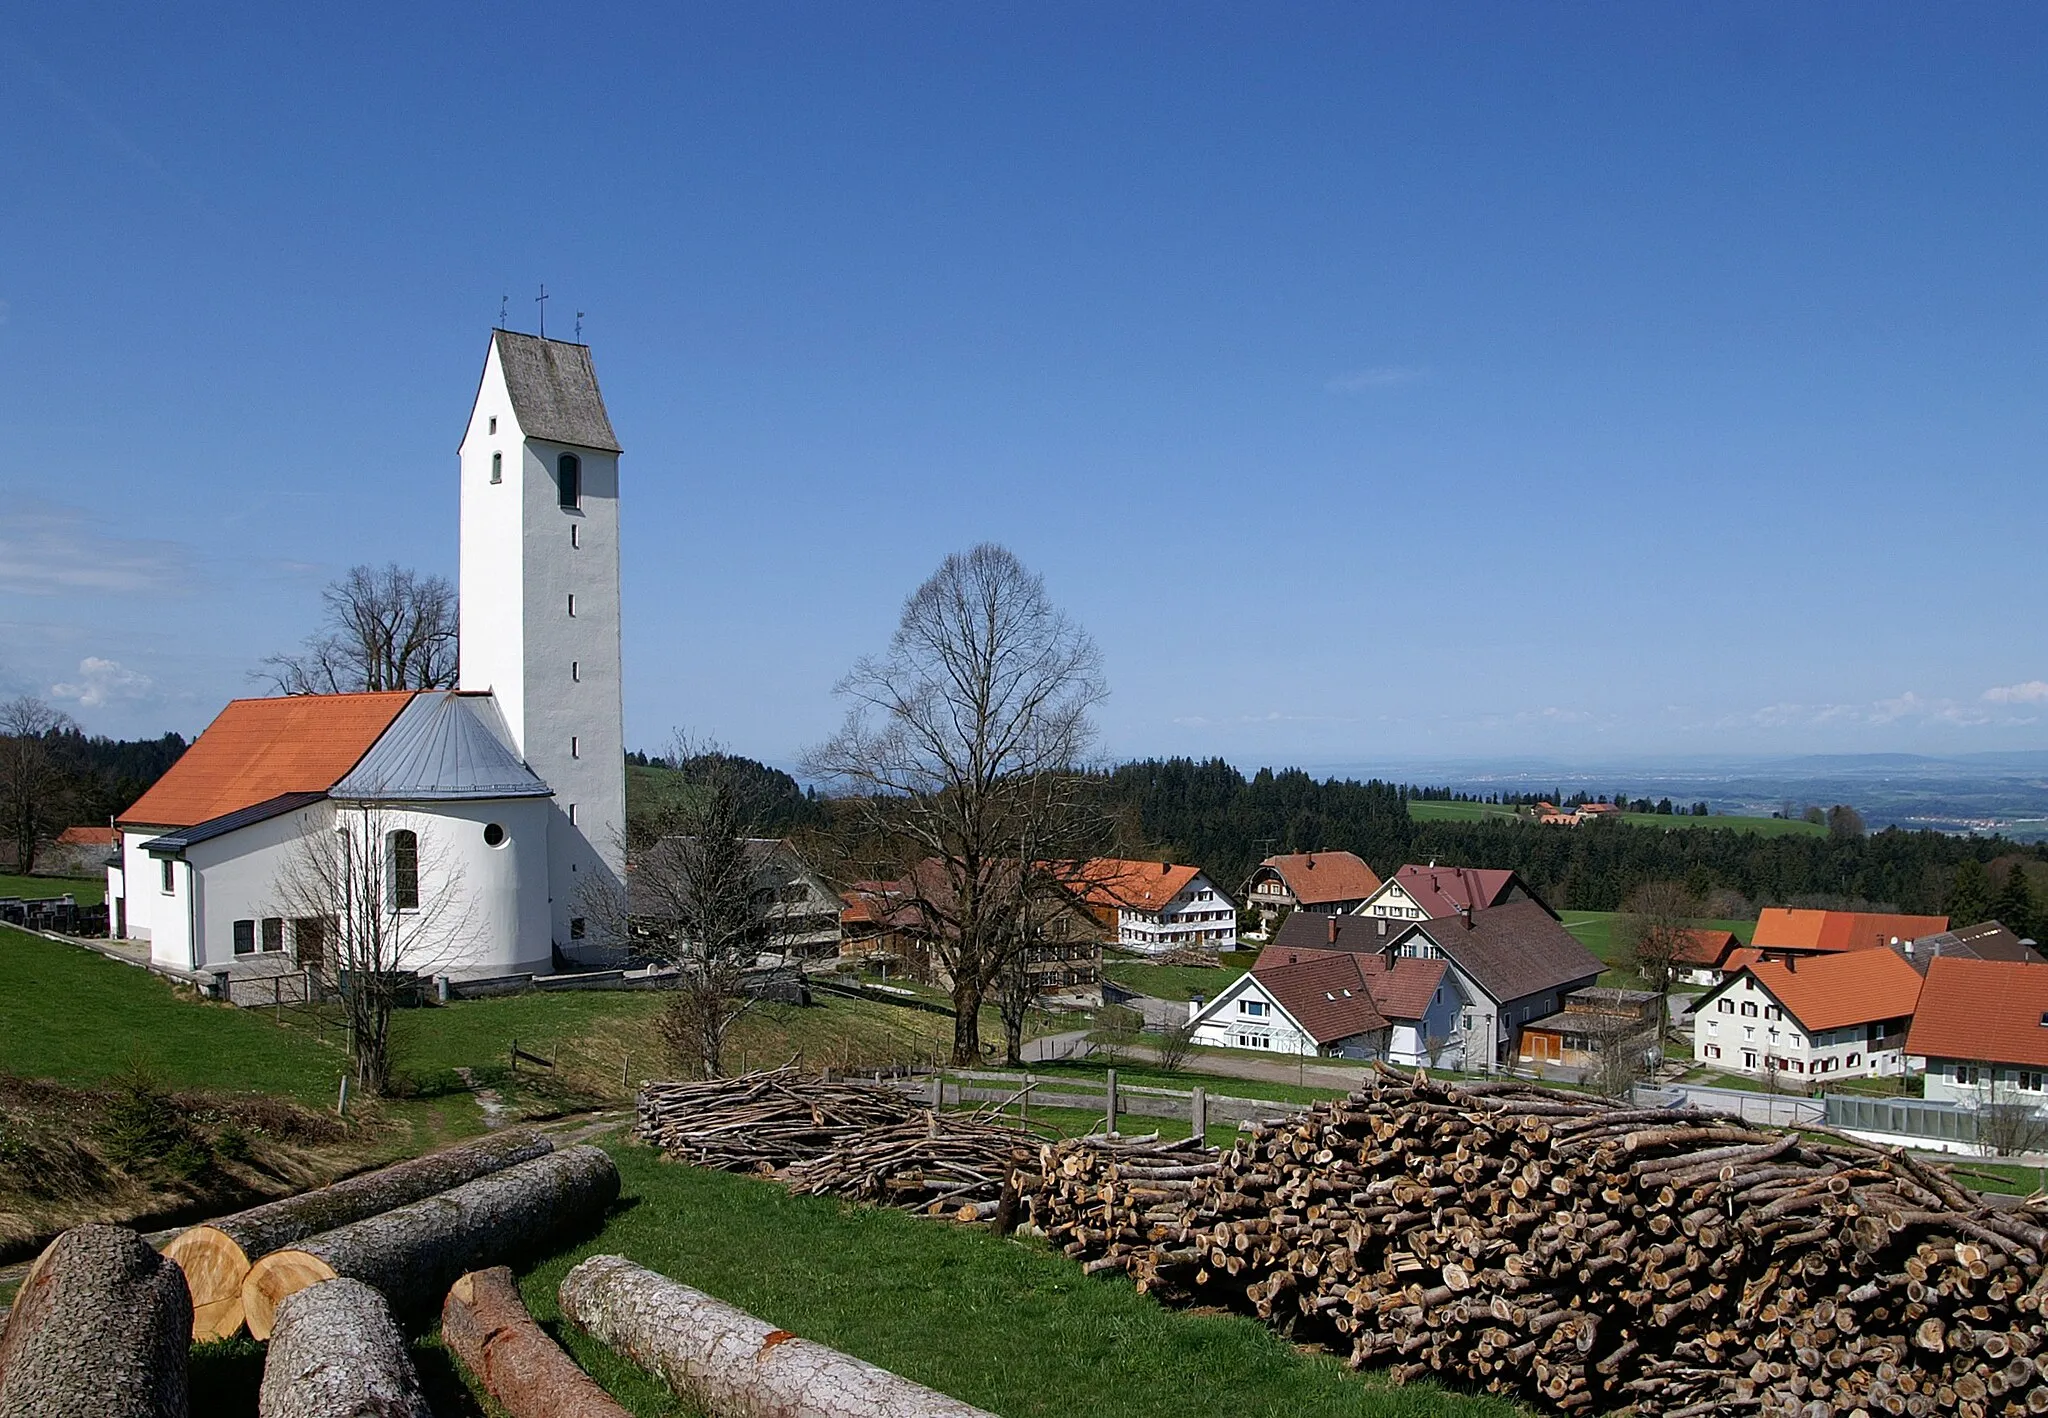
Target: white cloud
{"type": "Point", "coordinates": [49, 550]}
{"type": "Point", "coordinates": [2033, 691]}
{"type": "Point", "coordinates": [1379, 376]}
{"type": "Point", "coordinates": [102, 682]}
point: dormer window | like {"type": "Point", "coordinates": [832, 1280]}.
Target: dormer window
{"type": "Point", "coordinates": [569, 481]}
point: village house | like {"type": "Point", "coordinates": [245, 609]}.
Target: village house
{"type": "Point", "coordinates": [1981, 1032]}
{"type": "Point", "coordinates": [899, 928]}
{"type": "Point", "coordinates": [489, 814]}
{"type": "Point", "coordinates": [1987, 940]}
{"type": "Point", "coordinates": [1591, 1021]}
{"type": "Point", "coordinates": [1324, 883]}
{"type": "Point", "coordinates": [1157, 907]}
{"type": "Point", "coordinates": [1424, 893]}
{"type": "Point", "coordinates": [1510, 964]}
{"type": "Point", "coordinates": [803, 916]}
{"type": "Point", "coordinates": [1781, 930]}
{"type": "Point", "coordinates": [1334, 1003]}
{"type": "Point", "coordinates": [1701, 956]}
{"type": "Point", "coordinates": [1808, 1018]}
{"type": "Point", "coordinates": [78, 851]}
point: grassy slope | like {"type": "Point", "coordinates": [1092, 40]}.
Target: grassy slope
{"type": "Point", "coordinates": [1768, 826]}
{"type": "Point", "coordinates": [1001, 1324]}
{"type": "Point", "coordinates": [1595, 931]}
{"type": "Point", "coordinates": [1171, 982]}
{"type": "Point", "coordinates": [86, 890]}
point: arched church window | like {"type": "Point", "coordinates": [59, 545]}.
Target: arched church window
{"type": "Point", "coordinates": [405, 870]}
{"type": "Point", "coordinates": [569, 479]}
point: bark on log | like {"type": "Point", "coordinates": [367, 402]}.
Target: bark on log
{"type": "Point", "coordinates": [484, 1323]}
{"type": "Point", "coordinates": [99, 1329]}
{"type": "Point", "coordinates": [412, 1254]}
{"type": "Point", "coordinates": [337, 1353]}
{"type": "Point", "coordinates": [729, 1363]}
{"type": "Point", "coordinates": [216, 1257]}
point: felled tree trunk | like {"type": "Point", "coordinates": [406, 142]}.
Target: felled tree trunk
{"type": "Point", "coordinates": [484, 1323]}
{"type": "Point", "coordinates": [412, 1254]}
{"type": "Point", "coordinates": [216, 1257]}
{"type": "Point", "coordinates": [337, 1353]}
{"type": "Point", "coordinates": [99, 1330]}
{"type": "Point", "coordinates": [729, 1363]}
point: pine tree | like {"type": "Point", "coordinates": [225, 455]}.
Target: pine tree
{"type": "Point", "coordinates": [2014, 906]}
{"type": "Point", "coordinates": [1969, 894]}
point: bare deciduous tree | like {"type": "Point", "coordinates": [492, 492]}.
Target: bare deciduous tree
{"type": "Point", "coordinates": [382, 905]}
{"type": "Point", "coordinates": [35, 790]}
{"type": "Point", "coordinates": [1653, 931]}
{"type": "Point", "coordinates": [1175, 1044]}
{"type": "Point", "coordinates": [705, 895]}
{"type": "Point", "coordinates": [959, 759]}
{"type": "Point", "coordinates": [2010, 1127]}
{"type": "Point", "coordinates": [388, 628]}
{"type": "Point", "coordinates": [1624, 1050]}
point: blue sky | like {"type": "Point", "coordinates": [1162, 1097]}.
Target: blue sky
{"type": "Point", "coordinates": [1375, 382]}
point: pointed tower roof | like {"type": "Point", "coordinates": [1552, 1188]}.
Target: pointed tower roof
{"type": "Point", "coordinates": [445, 746]}
{"type": "Point", "coordinates": [554, 391]}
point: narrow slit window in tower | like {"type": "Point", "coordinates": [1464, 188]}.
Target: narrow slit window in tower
{"type": "Point", "coordinates": [575, 746]}
{"type": "Point", "coordinates": [572, 603]}
{"type": "Point", "coordinates": [569, 480]}
{"type": "Point", "coordinates": [576, 671]}
{"type": "Point", "coordinates": [497, 467]}
{"type": "Point", "coordinates": [575, 540]}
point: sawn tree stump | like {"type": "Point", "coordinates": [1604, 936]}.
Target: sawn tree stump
{"type": "Point", "coordinates": [98, 1330]}
{"type": "Point", "coordinates": [337, 1353]}
{"type": "Point", "coordinates": [410, 1255]}
{"type": "Point", "coordinates": [485, 1324]}
{"type": "Point", "coordinates": [729, 1363]}
{"type": "Point", "coordinates": [216, 1257]}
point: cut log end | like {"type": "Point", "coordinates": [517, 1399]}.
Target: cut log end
{"type": "Point", "coordinates": [485, 1324]}
{"type": "Point", "coordinates": [215, 1268]}
{"type": "Point", "coordinates": [273, 1280]}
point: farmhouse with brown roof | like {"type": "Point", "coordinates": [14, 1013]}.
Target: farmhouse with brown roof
{"type": "Point", "coordinates": [1336, 1003]}
{"type": "Point", "coordinates": [1810, 1017]}
{"type": "Point", "coordinates": [1982, 1028]}
{"type": "Point", "coordinates": [1323, 883]}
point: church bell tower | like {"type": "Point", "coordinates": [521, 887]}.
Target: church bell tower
{"type": "Point", "coordinates": [540, 598]}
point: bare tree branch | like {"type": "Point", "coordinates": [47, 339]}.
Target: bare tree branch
{"type": "Point", "coordinates": [35, 789]}
{"type": "Point", "coordinates": [388, 628]}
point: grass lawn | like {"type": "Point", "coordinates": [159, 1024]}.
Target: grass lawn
{"type": "Point", "coordinates": [1172, 982]}
{"type": "Point", "coordinates": [69, 1015]}
{"type": "Point", "coordinates": [86, 890]}
{"type": "Point", "coordinates": [1457, 812]}
{"type": "Point", "coordinates": [1595, 931]}
{"type": "Point", "coordinates": [1002, 1324]}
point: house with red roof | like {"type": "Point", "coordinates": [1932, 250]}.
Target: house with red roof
{"type": "Point", "coordinates": [1335, 1003]}
{"type": "Point", "coordinates": [472, 829]}
{"type": "Point", "coordinates": [1432, 893]}
{"type": "Point", "coordinates": [1323, 883]}
{"type": "Point", "coordinates": [1810, 1018]}
{"type": "Point", "coordinates": [1701, 957]}
{"type": "Point", "coordinates": [1782, 929]}
{"type": "Point", "coordinates": [1982, 1031]}
{"type": "Point", "coordinates": [1156, 907]}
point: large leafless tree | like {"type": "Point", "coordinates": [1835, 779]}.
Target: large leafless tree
{"type": "Point", "coordinates": [381, 628]}
{"type": "Point", "coordinates": [958, 764]}
{"type": "Point", "coordinates": [379, 905]}
{"type": "Point", "coordinates": [35, 789]}
{"type": "Point", "coordinates": [705, 893]}
{"type": "Point", "coordinates": [1653, 931]}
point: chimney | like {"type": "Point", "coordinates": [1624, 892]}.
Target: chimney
{"type": "Point", "coordinates": [1333, 930]}
{"type": "Point", "coordinates": [1791, 963]}
{"type": "Point", "coordinates": [1311, 861]}
{"type": "Point", "coordinates": [1465, 915]}
{"type": "Point", "coordinates": [1165, 867]}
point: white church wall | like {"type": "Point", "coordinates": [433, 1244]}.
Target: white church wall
{"type": "Point", "coordinates": [493, 918]}
{"type": "Point", "coordinates": [492, 605]}
{"type": "Point", "coordinates": [141, 883]}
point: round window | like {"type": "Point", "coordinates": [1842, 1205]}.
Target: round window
{"type": "Point", "coordinates": [494, 835]}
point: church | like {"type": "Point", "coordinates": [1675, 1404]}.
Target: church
{"type": "Point", "coordinates": [496, 810]}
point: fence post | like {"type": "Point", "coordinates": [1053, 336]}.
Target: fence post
{"type": "Point", "coordinates": [341, 1103]}
{"type": "Point", "coordinates": [515, 1056]}
{"type": "Point", "coordinates": [1198, 1116]}
{"type": "Point", "coordinates": [1024, 1103]}
{"type": "Point", "coordinates": [1109, 1099]}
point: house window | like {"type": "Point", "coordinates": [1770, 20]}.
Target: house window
{"type": "Point", "coordinates": [1713, 1051]}
{"type": "Point", "coordinates": [497, 467]}
{"type": "Point", "coordinates": [575, 928]}
{"type": "Point", "coordinates": [1255, 1008]}
{"type": "Point", "coordinates": [1713, 1026]}
{"type": "Point", "coordinates": [1855, 1059]}
{"type": "Point", "coordinates": [405, 870]}
{"type": "Point", "coordinates": [273, 933]}
{"type": "Point", "coordinates": [1749, 1009]}
{"type": "Point", "coordinates": [569, 480]}
{"type": "Point", "coordinates": [245, 937]}
{"type": "Point", "coordinates": [1967, 1074]}
{"type": "Point", "coordinates": [170, 876]}
{"type": "Point", "coordinates": [2031, 1080]}
{"type": "Point", "coordinates": [1727, 1006]}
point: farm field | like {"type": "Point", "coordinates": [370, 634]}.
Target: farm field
{"type": "Point", "coordinates": [1433, 811]}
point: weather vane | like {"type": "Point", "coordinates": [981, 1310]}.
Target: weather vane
{"type": "Point", "coordinates": [579, 327]}
{"type": "Point", "coordinates": [503, 301]}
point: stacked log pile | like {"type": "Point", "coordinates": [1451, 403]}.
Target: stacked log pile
{"type": "Point", "coordinates": [1586, 1256]}
{"type": "Point", "coordinates": [950, 1164]}
{"type": "Point", "coordinates": [763, 1122]}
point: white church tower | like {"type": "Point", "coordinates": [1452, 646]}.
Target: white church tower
{"type": "Point", "coordinates": [540, 597]}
